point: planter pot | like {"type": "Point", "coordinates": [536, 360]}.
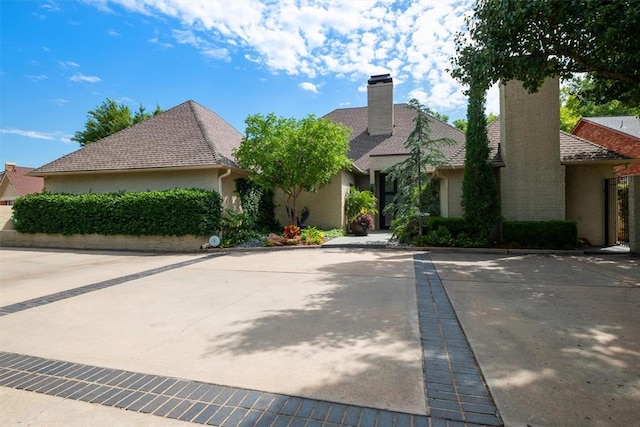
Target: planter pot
{"type": "Point", "coordinates": [358, 229]}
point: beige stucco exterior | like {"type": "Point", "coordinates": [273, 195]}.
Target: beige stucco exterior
{"type": "Point", "coordinates": [585, 199]}
{"type": "Point", "coordinates": [147, 180]}
{"type": "Point", "coordinates": [451, 192]}
{"type": "Point", "coordinates": [532, 183]}
{"type": "Point", "coordinates": [7, 192]}
{"type": "Point", "coordinates": [326, 206]}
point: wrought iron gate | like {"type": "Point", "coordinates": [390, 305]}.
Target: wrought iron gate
{"type": "Point", "coordinates": [617, 211]}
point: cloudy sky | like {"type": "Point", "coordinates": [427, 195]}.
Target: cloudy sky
{"type": "Point", "coordinates": [62, 59]}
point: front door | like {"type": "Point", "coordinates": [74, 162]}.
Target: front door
{"type": "Point", "coordinates": [388, 190]}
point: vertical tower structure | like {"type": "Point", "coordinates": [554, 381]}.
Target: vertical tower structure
{"type": "Point", "coordinates": [532, 183]}
{"type": "Point", "coordinates": [380, 105]}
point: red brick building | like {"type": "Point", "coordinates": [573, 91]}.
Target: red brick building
{"type": "Point", "coordinates": [619, 133]}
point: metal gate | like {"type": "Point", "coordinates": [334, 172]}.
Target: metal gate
{"type": "Point", "coordinates": [617, 211]}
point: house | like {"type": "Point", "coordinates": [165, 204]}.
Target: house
{"type": "Point", "coordinates": [15, 182]}
{"type": "Point", "coordinates": [619, 133]}
{"type": "Point", "coordinates": [188, 146]}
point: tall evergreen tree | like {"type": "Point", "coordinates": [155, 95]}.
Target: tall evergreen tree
{"type": "Point", "coordinates": [480, 199]}
{"type": "Point", "coordinates": [411, 204]}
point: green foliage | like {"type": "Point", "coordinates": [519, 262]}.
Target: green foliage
{"type": "Point", "coordinates": [576, 103]}
{"type": "Point", "coordinates": [442, 231]}
{"type": "Point", "coordinates": [534, 39]}
{"type": "Point", "coordinates": [358, 202]}
{"type": "Point", "coordinates": [480, 199]}
{"type": "Point", "coordinates": [312, 236]}
{"type": "Point", "coordinates": [237, 228]}
{"type": "Point", "coordinates": [257, 203]}
{"type": "Point", "coordinates": [410, 206]}
{"type": "Point", "coordinates": [334, 232]}
{"type": "Point", "coordinates": [108, 119]}
{"type": "Point", "coordinates": [154, 213]}
{"type": "Point", "coordinates": [462, 123]}
{"type": "Point", "coordinates": [554, 234]}
{"type": "Point", "coordinates": [293, 155]}
{"type": "Point", "coordinates": [441, 236]}
{"type": "Point", "coordinates": [455, 225]}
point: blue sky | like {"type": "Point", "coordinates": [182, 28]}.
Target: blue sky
{"type": "Point", "coordinates": [60, 59]}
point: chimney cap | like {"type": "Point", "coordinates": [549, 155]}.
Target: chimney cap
{"type": "Point", "coordinates": [380, 78]}
{"type": "Point", "coordinates": [9, 166]}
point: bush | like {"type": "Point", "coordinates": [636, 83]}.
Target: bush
{"type": "Point", "coordinates": [312, 236]}
{"type": "Point", "coordinates": [237, 228]}
{"type": "Point", "coordinates": [439, 237]}
{"type": "Point", "coordinates": [258, 203]}
{"type": "Point", "coordinates": [554, 234]}
{"type": "Point", "coordinates": [454, 225]}
{"type": "Point", "coordinates": [154, 213]}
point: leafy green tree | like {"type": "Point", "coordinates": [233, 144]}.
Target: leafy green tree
{"type": "Point", "coordinates": [293, 155]}
{"type": "Point", "coordinates": [109, 118]}
{"type": "Point", "coordinates": [480, 200]}
{"type": "Point", "coordinates": [534, 39]}
{"type": "Point", "coordinates": [440, 116]}
{"type": "Point", "coordinates": [410, 204]}
{"type": "Point", "coordinates": [574, 104]}
{"type": "Point", "coordinates": [462, 123]}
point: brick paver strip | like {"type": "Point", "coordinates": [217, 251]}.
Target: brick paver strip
{"type": "Point", "coordinates": [70, 293]}
{"type": "Point", "coordinates": [455, 391]}
{"type": "Point", "coordinates": [451, 373]}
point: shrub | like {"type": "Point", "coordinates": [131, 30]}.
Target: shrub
{"type": "Point", "coordinates": [258, 203]}
{"type": "Point", "coordinates": [553, 234]}
{"type": "Point", "coordinates": [454, 225]}
{"type": "Point", "coordinates": [175, 212]}
{"type": "Point", "coordinates": [312, 236]}
{"type": "Point", "coordinates": [237, 228]}
{"type": "Point", "coordinates": [439, 237]}
{"type": "Point", "coordinates": [291, 231]}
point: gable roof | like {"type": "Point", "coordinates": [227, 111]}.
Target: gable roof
{"type": "Point", "coordinates": [363, 145]}
{"type": "Point", "coordinates": [572, 149]}
{"type": "Point", "coordinates": [629, 125]}
{"type": "Point", "coordinates": [22, 184]}
{"type": "Point", "coordinates": [186, 136]}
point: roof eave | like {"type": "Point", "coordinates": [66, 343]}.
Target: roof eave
{"type": "Point", "coordinates": [132, 170]}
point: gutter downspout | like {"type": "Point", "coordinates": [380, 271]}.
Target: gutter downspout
{"type": "Point", "coordinates": [224, 175]}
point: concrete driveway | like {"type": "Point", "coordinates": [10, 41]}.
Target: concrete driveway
{"type": "Point", "coordinates": [557, 337]}
{"type": "Point", "coordinates": [313, 336]}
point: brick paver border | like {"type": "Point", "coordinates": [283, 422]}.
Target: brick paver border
{"type": "Point", "coordinates": [456, 392]}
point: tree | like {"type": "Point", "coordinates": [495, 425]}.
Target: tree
{"type": "Point", "coordinates": [410, 204]}
{"type": "Point", "coordinates": [534, 39]}
{"type": "Point", "coordinates": [109, 118]}
{"type": "Point", "coordinates": [574, 104]}
{"type": "Point", "coordinates": [462, 123]}
{"type": "Point", "coordinates": [480, 200]}
{"type": "Point", "coordinates": [293, 155]}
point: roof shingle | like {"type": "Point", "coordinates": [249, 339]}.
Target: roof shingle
{"type": "Point", "coordinates": [188, 135]}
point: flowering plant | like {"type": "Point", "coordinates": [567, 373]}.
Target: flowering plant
{"type": "Point", "coordinates": [365, 220]}
{"type": "Point", "coordinates": [291, 231]}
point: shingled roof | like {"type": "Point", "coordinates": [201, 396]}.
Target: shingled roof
{"type": "Point", "coordinates": [363, 145]}
{"type": "Point", "coordinates": [572, 149]}
{"type": "Point", "coordinates": [186, 136]}
{"type": "Point", "coordinates": [16, 176]}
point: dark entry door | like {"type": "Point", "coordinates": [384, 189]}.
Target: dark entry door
{"type": "Point", "coordinates": [388, 190]}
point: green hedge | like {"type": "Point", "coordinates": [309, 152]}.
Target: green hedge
{"type": "Point", "coordinates": [553, 234]}
{"type": "Point", "coordinates": [454, 225]}
{"type": "Point", "coordinates": [153, 213]}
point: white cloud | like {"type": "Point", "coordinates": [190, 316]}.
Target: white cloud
{"type": "Point", "coordinates": [60, 101]}
{"type": "Point", "coordinates": [113, 33]}
{"type": "Point", "coordinates": [348, 39]}
{"type": "Point", "coordinates": [49, 136]}
{"type": "Point", "coordinates": [79, 77]}
{"type": "Point", "coordinates": [36, 78]}
{"type": "Point", "coordinates": [68, 64]}
{"type": "Point", "coordinates": [308, 86]}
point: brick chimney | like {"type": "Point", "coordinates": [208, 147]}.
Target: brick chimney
{"type": "Point", "coordinates": [9, 166]}
{"type": "Point", "coordinates": [380, 104]}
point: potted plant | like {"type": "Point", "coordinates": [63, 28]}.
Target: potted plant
{"type": "Point", "coordinates": [360, 207]}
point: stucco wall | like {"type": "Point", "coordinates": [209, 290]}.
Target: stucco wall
{"type": "Point", "coordinates": [532, 183]}
{"type": "Point", "coordinates": [380, 163]}
{"type": "Point", "coordinates": [5, 217]}
{"type": "Point", "coordinates": [326, 206]}
{"type": "Point", "coordinates": [7, 192]}
{"type": "Point", "coordinates": [451, 193]}
{"type": "Point", "coordinates": [98, 241]}
{"type": "Point", "coordinates": [132, 181]}
{"type": "Point", "coordinates": [586, 200]}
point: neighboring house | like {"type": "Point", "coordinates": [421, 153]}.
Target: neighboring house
{"type": "Point", "coordinates": [15, 182]}
{"type": "Point", "coordinates": [619, 133]}
{"type": "Point", "coordinates": [188, 146]}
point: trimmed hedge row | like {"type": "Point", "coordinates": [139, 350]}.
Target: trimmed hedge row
{"type": "Point", "coordinates": [552, 234]}
{"type": "Point", "coordinates": [175, 212]}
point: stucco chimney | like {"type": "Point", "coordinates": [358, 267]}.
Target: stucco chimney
{"type": "Point", "coordinates": [380, 104]}
{"type": "Point", "coordinates": [9, 166]}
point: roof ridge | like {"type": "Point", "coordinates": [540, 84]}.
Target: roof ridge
{"type": "Point", "coordinates": [214, 152]}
